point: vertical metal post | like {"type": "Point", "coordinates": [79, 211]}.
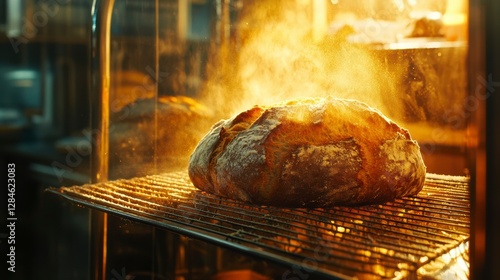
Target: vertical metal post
{"type": "Point", "coordinates": [100, 51]}
{"type": "Point", "coordinates": [484, 84]}
{"type": "Point", "coordinates": [99, 111]}
{"type": "Point", "coordinates": [476, 141]}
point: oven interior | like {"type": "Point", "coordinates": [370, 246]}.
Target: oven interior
{"type": "Point", "coordinates": [164, 71]}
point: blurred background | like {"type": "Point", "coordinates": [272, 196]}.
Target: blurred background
{"type": "Point", "coordinates": [44, 109]}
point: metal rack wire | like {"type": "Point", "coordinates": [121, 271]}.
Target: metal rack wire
{"type": "Point", "coordinates": [399, 239]}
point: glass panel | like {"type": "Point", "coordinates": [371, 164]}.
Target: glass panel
{"type": "Point", "coordinates": [133, 89]}
{"type": "Point", "coordinates": [178, 66]}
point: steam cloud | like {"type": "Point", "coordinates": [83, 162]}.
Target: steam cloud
{"type": "Point", "coordinates": [278, 59]}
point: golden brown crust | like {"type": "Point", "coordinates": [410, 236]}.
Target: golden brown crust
{"type": "Point", "coordinates": [308, 153]}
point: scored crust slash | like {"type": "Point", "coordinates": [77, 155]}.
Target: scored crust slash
{"type": "Point", "coordinates": [308, 153]}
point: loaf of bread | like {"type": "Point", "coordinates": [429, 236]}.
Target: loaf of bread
{"type": "Point", "coordinates": [162, 131]}
{"type": "Point", "coordinates": [308, 153]}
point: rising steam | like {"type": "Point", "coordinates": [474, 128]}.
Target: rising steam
{"type": "Point", "coordinates": [278, 59]}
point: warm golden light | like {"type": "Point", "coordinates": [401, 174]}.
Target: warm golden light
{"type": "Point", "coordinates": [286, 53]}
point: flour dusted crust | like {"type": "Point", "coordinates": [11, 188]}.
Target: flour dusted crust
{"type": "Point", "coordinates": [308, 153]}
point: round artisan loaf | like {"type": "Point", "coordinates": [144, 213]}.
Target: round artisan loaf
{"type": "Point", "coordinates": [308, 153]}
